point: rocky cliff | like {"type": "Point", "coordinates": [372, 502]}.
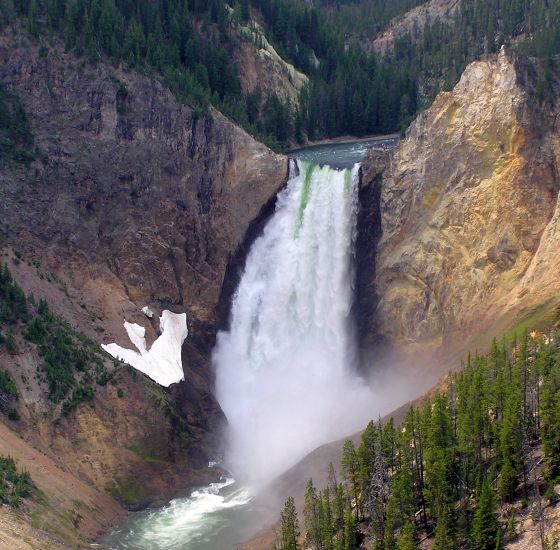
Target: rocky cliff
{"type": "Point", "coordinates": [469, 215]}
{"type": "Point", "coordinates": [261, 67]}
{"type": "Point", "coordinates": [133, 199]}
{"type": "Point", "coordinates": [413, 23]}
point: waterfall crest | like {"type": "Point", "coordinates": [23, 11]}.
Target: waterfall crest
{"type": "Point", "coordinates": [286, 376]}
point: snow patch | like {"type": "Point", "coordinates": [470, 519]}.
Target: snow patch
{"type": "Point", "coordinates": [147, 312]}
{"type": "Point", "coordinates": [162, 363]}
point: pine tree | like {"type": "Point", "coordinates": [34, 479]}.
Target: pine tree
{"type": "Point", "coordinates": [389, 541]}
{"type": "Point", "coordinates": [350, 529]}
{"type": "Point", "coordinates": [406, 539]}
{"type": "Point", "coordinates": [311, 516]}
{"type": "Point", "coordinates": [289, 526]}
{"type": "Point", "coordinates": [485, 526]}
{"type": "Point", "coordinates": [445, 531]}
{"type": "Point", "coordinates": [351, 470]}
{"type": "Point", "coordinates": [327, 531]}
{"type": "Point", "coordinates": [507, 483]}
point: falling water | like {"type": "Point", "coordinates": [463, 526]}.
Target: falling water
{"type": "Point", "coordinates": [286, 370]}
{"type": "Point", "coordinates": [286, 376]}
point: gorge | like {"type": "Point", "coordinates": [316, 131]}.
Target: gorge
{"type": "Point", "coordinates": [313, 296]}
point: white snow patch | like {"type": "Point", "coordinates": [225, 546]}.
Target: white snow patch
{"type": "Point", "coordinates": [147, 312]}
{"type": "Point", "coordinates": [162, 363]}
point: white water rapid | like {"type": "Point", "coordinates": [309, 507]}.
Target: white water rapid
{"type": "Point", "coordinates": [286, 376]}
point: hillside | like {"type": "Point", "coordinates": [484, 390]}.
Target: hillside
{"type": "Point", "coordinates": [472, 466]}
{"type": "Point", "coordinates": [103, 161]}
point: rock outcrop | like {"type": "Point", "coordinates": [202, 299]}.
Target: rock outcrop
{"type": "Point", "coordinates": [413, 23]}
{"type": "Point", "coordinates": [469, 214]}
{"type": "Point", "coordinates": [260, 66]}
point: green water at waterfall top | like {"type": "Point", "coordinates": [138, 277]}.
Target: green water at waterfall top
{"type": "Point", "coordinates": [306, 190]}
{"type": "Point", "coordinates": [342, 154]}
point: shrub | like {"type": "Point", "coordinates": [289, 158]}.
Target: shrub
{"type": "Point", "coordinates": [14, 485]}
{"type": "Point", "coordinates": [10, 342]}
{"type": "Point", "coordinates": [7, 385]}
{"type": "Point", "coordinates": [80, 394]}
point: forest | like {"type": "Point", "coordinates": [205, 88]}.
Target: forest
{"type": "Point", "coordinates": [352, 90]}
{"type": "Point", "coordinates": [458, 469]}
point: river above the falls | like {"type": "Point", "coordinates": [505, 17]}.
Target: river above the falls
{"type": "Point", "coordinates": [343, 154]}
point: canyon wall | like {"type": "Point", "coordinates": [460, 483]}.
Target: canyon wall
{"type": "Point", "coordinates": [133, 199]}
{"type": "Point", "coordinates": [469, 216]}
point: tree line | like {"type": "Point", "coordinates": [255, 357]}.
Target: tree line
{"type": "Point", "coordinates": [493, 438]}
{"type": "Point", "coordinates": [479, 28]}
{"type": "Point", "coordinates": [351, 89]}
{"type": "Point", "coordinates": [188, 42]}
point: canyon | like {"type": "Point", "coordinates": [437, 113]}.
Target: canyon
{"type": "Point", "coordinates": [136, 199]}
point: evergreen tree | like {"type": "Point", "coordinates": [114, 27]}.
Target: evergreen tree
{"type": "Point", "coordinates": [445, 536]}
{"type": "Point", "coordinates": [289, 526]}
{"type": "Point", "coordinates": [406, 539]}
{"type": "Point", "coordinates": [350, 529]}
{"type": "Point", "coordinates": [313, 538]}
{"type": "Point", "coordinates": [351, 470]}
{"type": "Point", "coordinates": [485, 526]}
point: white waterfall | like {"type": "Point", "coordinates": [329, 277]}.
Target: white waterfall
{"type": "Point", "coordinates": [286, 375]}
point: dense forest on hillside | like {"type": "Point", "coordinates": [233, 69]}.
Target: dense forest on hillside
{"type": "Point", "coordinates": [365, 17]}
{"type": "Point", "coordinates": [481, 27]}
{"type": "Point", "coordinates": [188, 42]}
{"type": "Point", "coordinates": [491, 439]}
{"type": "Point", "coordinates": [351, 91]}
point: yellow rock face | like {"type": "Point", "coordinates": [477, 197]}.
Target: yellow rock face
{"type": "Point", "coordinates": [470, 214]}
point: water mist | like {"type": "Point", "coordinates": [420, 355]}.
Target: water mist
{"type": "Point", "coordinates": [286, 376]}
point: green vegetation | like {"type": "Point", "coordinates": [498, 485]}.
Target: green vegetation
{"type": "Point", "coordinates": [352, 90]}
{"type": "Point", "coordinates": [441, 54]}
{"type": "Point", "coordinates": [188, 43]}
{"type": "Point", "coordinates": [8, 394]}
{"type": "Point", "coordinates": [7, 386]}
{"type": "Point", "coordinates": [160, 37]}
{"type": "Point", "coordinates": [13, 302]}
{"type": "Point", "coordinates": [65, 353]}
{"type": "Point", "coordinates": [71, 362]}
{"type": "Point", "coordinates": [15, 137]}
{"type": "Point", "coordinates": [366, 17]}
{"type": "Point", "coordinates": [151, 456]}
{"type": "Point", "coordinates": [79, 394]}
{"type": "Point", "coordinates": [290, 527]}
{"type": "Point", "coordinates": [127, 490]}
{"type": "Point", "coordinates": [14, 485]}
{"type": "Point", "coordinates": [454, 461]}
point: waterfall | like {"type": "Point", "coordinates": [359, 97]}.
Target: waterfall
{"type": "Point", "coordinates": [286, 369]}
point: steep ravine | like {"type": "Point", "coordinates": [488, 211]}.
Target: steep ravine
{"type": "Point", "coordinates": [137, 200]}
